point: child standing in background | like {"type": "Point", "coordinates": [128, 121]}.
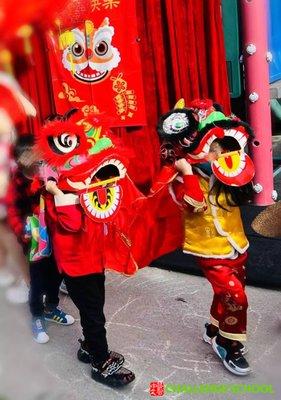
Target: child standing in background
{"type": "Point", "coordinates": [6, 277]}
{"type": "Point", "coordinates": [25, 193]}
{"type": "Point", "coordinates": [14, 109]}
{"type": "Point", "coordinates": [210, 195]}
{"type": "Point", "coordinates": [13, 266]}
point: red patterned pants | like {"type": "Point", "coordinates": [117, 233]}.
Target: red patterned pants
{"type": "Point", "coordinates": [229, 307]}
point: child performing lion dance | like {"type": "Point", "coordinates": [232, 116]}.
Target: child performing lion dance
{"type": "Point", "coordinates": [97, 220]}
{"type": "Point", "coordinates": [215, 176]}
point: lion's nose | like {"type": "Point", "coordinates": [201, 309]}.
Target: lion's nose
{"type": "Point", "coordinates": [89, 53]}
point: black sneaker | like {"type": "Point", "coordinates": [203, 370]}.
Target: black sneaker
{"type": "Point", "coordinates": [84, 356]}
{"type": "Point", "coordinates": [111, 373]}
{"type": "Point", "coordinates": [232, 359]}
{"type": "Point", "coordinates": [207, 337]}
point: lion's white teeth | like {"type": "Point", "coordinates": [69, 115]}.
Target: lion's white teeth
{"type": "Point", "coordinates": [76, 185]}
{"type": "Point", "coordinates": [87, 181]}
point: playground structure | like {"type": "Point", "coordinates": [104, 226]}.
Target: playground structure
{"type": "Point", "coordinates": [252, 31]}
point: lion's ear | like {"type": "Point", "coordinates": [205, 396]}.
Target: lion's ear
{"type": "Point", "coordinates": [180, 104]}
{"type": "Point", "coordinates": [66, 39]}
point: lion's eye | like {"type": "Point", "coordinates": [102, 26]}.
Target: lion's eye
{"type": "Point", "coordinates": [175, 123]}
{"type": "Point", "coordinates": [64, 143]}
{"type": "Point", "coordinates": [101, 48]}
{"type": "Point", "coordinates": [77, 50]}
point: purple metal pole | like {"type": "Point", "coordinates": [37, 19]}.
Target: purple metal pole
{"type": "Point", "coordinates": [254, 37]}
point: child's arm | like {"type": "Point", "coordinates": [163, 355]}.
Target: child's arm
{"type": "Point", "coordinates": [52, 188]}
{"type": "Point", "coordinates": [165, 176]}
{"type": "Point", "coordinates": [190, 192]}
{"type": "Point", "coordinates": [67, 206]}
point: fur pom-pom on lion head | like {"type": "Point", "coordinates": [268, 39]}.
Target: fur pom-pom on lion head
{"type": "Point", "coordinates": [59, 140]}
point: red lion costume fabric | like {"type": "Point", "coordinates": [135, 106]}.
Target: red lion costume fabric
{"type": "Point", "coordinates": [102, 220]}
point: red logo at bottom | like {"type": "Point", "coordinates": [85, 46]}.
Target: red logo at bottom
{"type": "Point", "coordinates": [156, 389]}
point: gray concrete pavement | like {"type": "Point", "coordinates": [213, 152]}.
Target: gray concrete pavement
{"type": "Point", "coordinates": [155, 319]}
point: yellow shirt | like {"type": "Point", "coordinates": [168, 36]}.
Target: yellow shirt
{"type": "Point", "coordinates": [214, 232]}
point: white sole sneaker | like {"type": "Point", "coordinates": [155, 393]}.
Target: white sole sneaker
{"type": "Point", "coordinates": [229, 366]}
{"type": "Point", "coordinates": [206, 338]}
{"type": "Point", "coordinates": [42, 338]}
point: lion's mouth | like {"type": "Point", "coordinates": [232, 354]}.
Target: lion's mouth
{"type": "Point", "coordinates": [101, 195]}
{"type": "Point", "coordinates": [231, 164]}
{"type": "Point", "coordinates": [105, 175]}
{"type": "Point", "coordinates": [237, 135]}
{"type": "Point", "coordinates": [89, 75]}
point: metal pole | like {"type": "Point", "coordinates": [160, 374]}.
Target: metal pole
{"type": "Point", "coordinates": [255, 57]}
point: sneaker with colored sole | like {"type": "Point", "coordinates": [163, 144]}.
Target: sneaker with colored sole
{"type": "Point", "coordinates": [59, 317]}
{"type": "Point", "coordinates": [207, 337]}
{"type": "Point", "coordinates": [232, 359]}
{"type": "Point", "coordinates": [39, 330]}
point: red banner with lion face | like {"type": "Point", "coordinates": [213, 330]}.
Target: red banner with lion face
{"type": "Point", "coordinates": [95, 61]}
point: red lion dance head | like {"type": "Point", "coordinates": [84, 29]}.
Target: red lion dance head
{"type": "Point", "coordinates": [88, 161]}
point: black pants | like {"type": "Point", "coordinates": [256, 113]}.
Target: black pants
{"type": "Point", "coordinates": [44, 280]}
{"type": "Point", "coordinates": [87, 293]}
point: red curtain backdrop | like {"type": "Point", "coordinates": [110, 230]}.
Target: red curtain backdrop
{"type": "Point", "coordinates": [182, 55]}
{"type": "Point", "coordinates": [33, 73]}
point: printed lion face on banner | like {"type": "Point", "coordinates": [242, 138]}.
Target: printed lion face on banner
{"type": "Point", "coordinates": [88, 53]}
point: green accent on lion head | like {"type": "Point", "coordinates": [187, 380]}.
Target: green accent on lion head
{"type": "Point", "coordinates": [102, 144]}
{"type": "Point", "coordinates": [212, 118]}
